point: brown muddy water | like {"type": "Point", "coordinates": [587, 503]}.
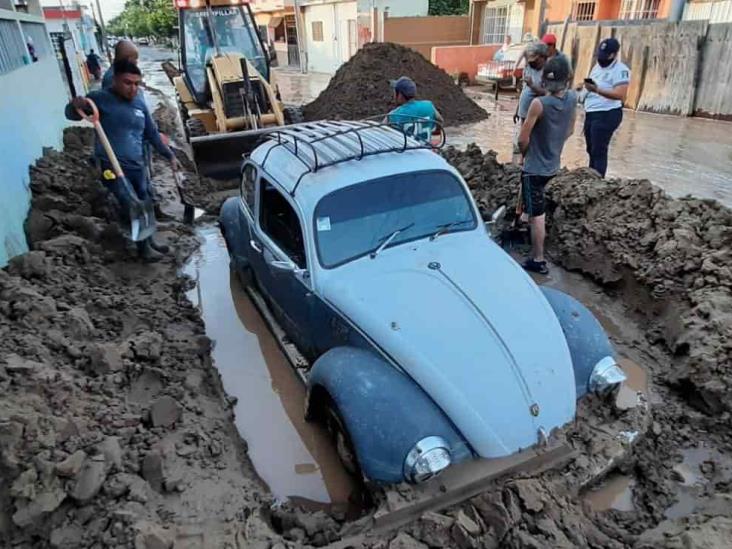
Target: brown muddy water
{"type": "Point", "coordinates": [295, 458]}
{"type": "Point", "coordinates": [615, 492]}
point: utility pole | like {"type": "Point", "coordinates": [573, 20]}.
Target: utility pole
{"type": "Point", "coordinates": [104, 31]}
{"type": "Point", "coordinates": [300, 38]}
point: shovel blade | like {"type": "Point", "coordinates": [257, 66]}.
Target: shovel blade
{"type": "Point", "coordinates": [142, 220]}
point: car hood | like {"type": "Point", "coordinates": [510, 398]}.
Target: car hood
{"type": "Point", "coordinates": [471, 328]}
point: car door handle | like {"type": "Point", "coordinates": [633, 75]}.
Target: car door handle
{"type": "Point", "coordinates": [255, 246]}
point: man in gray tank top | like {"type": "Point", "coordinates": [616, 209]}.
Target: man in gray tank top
{"type": "Point", "coordinates": [549, 122]}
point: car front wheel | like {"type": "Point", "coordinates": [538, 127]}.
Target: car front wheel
{"type": "Point", "coordinates": [342, 440]}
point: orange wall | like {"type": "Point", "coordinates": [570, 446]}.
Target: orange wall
{"type": "Point", "coordinates": [557, 10]}
{"type": "Point", "coordinates": [457, 59]}
{"type": "Point", "coordinates": [423, 33]}
{"type": "Point", "coordinates": [607, 9]}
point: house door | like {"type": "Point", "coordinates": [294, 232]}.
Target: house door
{"type": "Point", "coordinates": [320, 30]}
{"type": "Point", "coordinates": [345, 17]}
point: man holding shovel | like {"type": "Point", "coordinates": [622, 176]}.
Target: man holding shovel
{"type": "Point", "coordinates": [127, 123]}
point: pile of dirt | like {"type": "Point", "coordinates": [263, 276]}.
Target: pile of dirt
{"type": "Point", "coordinates": [114, 428]}
{"type": "Point", "coordinates": [360, 87]}
{"type": "Point", "coordinates": [668, 257]}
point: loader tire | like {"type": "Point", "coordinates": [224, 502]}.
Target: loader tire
{"type": "Point", "coordinates": [195, 128]}
{"type": "Point", "coordinates": [293, 115]}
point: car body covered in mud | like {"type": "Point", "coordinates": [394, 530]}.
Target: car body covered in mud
{"type": "Point", "coordinates": [427, 343]}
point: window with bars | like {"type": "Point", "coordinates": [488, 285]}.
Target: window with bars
{"type": "Point", "coordinates": [317, 27]}
{"type": "Point", "coordinates": [639, 9]}
{"type": "Point", "coordinates": [495, 25]}
{"type": "Point", "coordinates": [584, 10]}
{"type": "Point", "coordinates": [37, 33]}
{"type": "Point", "coordinates": [13, 52]}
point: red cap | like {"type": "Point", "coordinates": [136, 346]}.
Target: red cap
{"type": "Point", "coordinates": [549, 39]}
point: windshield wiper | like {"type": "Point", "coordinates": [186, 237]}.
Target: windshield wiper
{"type": "Point", "coordinates": [388, 240]}
{"type": "Point", "coordinates": [445, 227]}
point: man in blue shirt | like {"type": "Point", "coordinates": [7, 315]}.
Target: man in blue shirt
{"type": "Point", "coordinates": [126, 120]}
{"type": "Point", "coordinates": [124, 50]}
{"type": "Point", "coordinates": [416, 118]}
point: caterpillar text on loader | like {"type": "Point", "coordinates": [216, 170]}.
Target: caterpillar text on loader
{"type": "Point", "coordinates": [226, 98]}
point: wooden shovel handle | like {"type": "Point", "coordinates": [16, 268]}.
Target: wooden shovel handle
{"type": "Point", "coordinates": [93, 118]}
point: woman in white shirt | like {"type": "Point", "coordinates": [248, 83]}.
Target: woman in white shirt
{"type": "Point", "coordinates": [607, 87]}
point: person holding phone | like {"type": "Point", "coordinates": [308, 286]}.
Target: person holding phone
{"type": "Point", "coordinates": [607, 88]}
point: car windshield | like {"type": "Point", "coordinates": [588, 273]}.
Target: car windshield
{"type": "Point", "coordinates": [357, 220]}
{"type": "Point", "coordinates": [234, 32]}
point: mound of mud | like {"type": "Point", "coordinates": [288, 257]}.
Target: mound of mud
{"type": "Point", "coordinates": [671, 258]}
{"type": "Point", "coordinates": [360, 87]}
{"type": "Point", "coordinates": [114, 429]}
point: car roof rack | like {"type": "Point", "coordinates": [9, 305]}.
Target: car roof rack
{"type": "Point", "coordinates": [321, 144]}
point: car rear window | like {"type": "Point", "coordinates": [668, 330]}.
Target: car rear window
{"type": "Point", "coordinates": [353, 221]}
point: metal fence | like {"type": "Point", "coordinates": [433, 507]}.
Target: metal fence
{"type": "Point", "coordinates": [13, 52]}
{"type": "Point", "coordinates": [37, 33]}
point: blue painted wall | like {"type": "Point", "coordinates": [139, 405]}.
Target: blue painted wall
{"type": "Point", "coordinates": [31, 117]}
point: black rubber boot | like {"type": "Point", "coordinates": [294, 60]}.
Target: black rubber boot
{"type": "Point", "coordinates": [162, 248]}
{"type": "Point", "coordinates": [146, 252]}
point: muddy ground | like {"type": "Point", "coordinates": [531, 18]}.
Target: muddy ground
{"type": "Point", "coordinates": [360, 88]}
{"type": "Point", "coordinates": [115, 430]}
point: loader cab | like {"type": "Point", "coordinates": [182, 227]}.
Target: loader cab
{"type": "Point", "coordinates": [217, 29]}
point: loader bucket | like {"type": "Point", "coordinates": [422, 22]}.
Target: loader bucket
{"type": "Point", "coordinates": [220, 156]}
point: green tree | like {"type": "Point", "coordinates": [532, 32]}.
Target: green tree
{"type": "Point", "coordinates": [449, 7]}
{"type": "Point", "coordinates": [145, 18]}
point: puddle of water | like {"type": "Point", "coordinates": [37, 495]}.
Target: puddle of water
{"type": "Point", "coordinates": [700, 468]}
{"type": "Point", "coordinates": [295, 458]}
{"type": "Point", "coordinates": [635, 385]}
{"type": "Point", "coordinates": [682, 155]}
{"type": "Point", "coordinates": [615, 492]}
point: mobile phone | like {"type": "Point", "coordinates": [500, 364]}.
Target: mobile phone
{"type": "Point", "coordinates": [589, 81]}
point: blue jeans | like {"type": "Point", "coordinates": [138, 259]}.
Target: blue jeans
{"type": "Point", "coordinates": [599, 129]}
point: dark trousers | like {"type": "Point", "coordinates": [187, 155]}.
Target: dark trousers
{"type": "Point", "coordinates": [599, 129]}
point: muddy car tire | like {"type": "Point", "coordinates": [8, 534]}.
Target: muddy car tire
{"type": "Point", "coordinates": [341, 438]}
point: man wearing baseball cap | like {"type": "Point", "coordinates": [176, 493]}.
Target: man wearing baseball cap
{"type": "Point", "coordinates": [551, 45]}
{"type": "Point", "coordinates": [607, 88]}
{"type": "Point", "coordinates": [415, 117]}
{"type": "Point", "coordinates": [550, 121]}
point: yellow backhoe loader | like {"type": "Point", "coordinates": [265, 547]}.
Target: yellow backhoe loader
{"type": "Point", "coordinates": [226, 98]}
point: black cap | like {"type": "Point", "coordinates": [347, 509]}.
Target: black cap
{"type": "Point", "coordinates": [607, 47]}
{"type": "Point", "coordinates": [405, 86]}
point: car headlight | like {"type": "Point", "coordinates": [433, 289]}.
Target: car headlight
{"type": "Point", "coordinates": [606, 375]}
{"type": "Point", "coordinates": [427, 458]}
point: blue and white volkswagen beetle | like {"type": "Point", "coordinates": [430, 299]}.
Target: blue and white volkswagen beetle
{"type": "Point", "coordinates": [428, 344]}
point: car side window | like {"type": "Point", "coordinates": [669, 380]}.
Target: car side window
{"type": "Point", "coordinates": [280, 222]}
{"type": "Point", "coordinates": [248, 180]}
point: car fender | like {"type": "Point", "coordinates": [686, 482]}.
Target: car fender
{"type": "Point", "coordinates": [235, 231]}
{"type": "Point", "coordinates": [385, 412]}
{"type": "Point", "coordinates": [586, 338]}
